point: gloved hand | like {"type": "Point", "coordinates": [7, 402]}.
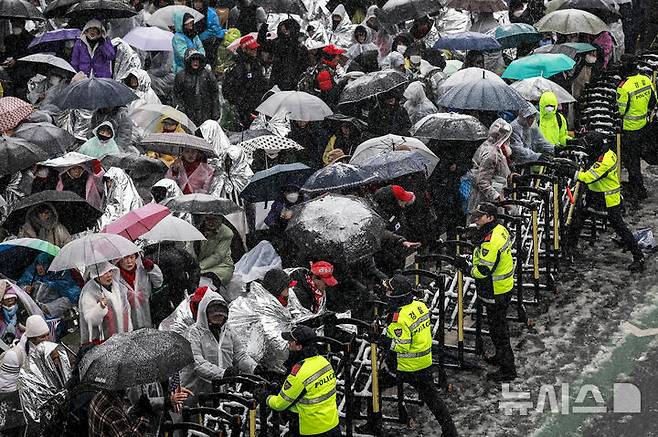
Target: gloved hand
{"type": "Point", "coordinates": [143, 406]}
{"type": "Point", "coordinates": [261, 393]}
{"type": "Point", "coordinates": [462, 264]}
{"type": "Point", "coordinates": [148, 264]}
{"type": "Point", "coordinates": [545, 157]}
{"type": "Point", "coordinates": [259, 370]}
{"type": "Point", "coordinates": [231, 371]}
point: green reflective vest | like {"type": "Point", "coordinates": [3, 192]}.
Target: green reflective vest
{"type": "Point", "coordinates": [493, 258]}
{"type": "Point", "coordinates": [411, 337]}
{"type": "Point", "coordinates": [310, 391]}
{"type": "Point", "coordinates": [633, 97]}
{"type": "Point", "coordinates": [602, 177]}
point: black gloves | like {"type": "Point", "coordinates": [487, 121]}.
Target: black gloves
{"type": "Point", "coordinates": [143, 406]}
{"type": "Point", "coordinates": [231, 371]}
{"type": "Point", "coordinates": [462, 264]}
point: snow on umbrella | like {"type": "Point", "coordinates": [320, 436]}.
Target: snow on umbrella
{"type": "Point", "coordinates": [203, 204]}
{"type": "Point", "coordinates": [18, 254]}
{"type": "Point", "coordinates": [299, 105]}
{"type": "Point", "coordinates": [338, 176]}
{"type": "Point", "coordinates": [47, 136]}
{"type": "Point", "coordinates": [58, 8]}
{"type": "Point", "coordinates": [17, 154]}
{"type": "Point", "coordinates": [137, 222]}
{"type": "Point", "coordinates": [398, 163]}
{"type": "Point", "coordinates": [266, 185]}
{"type": "Point", "coordinates": [150, 39]}
{"type": "Point", "coordinates": [164, 17]}
{"type": "Point", "coordinates": [389, 143]}
{"type": "Point", "coordinates": [515, 34]}
{"type": "Point", "coordinates": [137, 166]}
{"type": "Point", "coordinates": [19, 9]}
{"type": "Point", "coordinates": [74, 212]}
{"type": "Point", "coordinates": [450, 126]}
{"type": "Point", "coordinates": [269, 142]}
{"type": "Point", "coordinates": [568, 21]}
{"type": "Point", "coordinates": [135, 358]}
{"type": "Point", "coordinates": [483, 95]}
{"type": "Point", "coordinates": [92, 249]}
{"type": "Point", "coordinates": [12, 111]}
{"type": "Point", "coordinates": [48, 62]}
{"type": "Point", "coordinates": [532, 89]}
{"type": "Point", "coordinates": [540, 64]}
{"type": "Point", "coordinates": [607, 10]}
{"type": "Point", "coordinates": [467, 41]}
{"type": "Point", "coordinates": [56, 35]}
{"type": "Point", "coordinates": [398, 11]}
{"type": "Point", "coordinates": [371, 85]}
{"type": "Point", "coordinates": [148, 117]}
{"type": "Point", "coordinates": [172, 228]}
{"type": "Point", "coordinates": [477, 5]}
{"type": "Point", "coordinates": [94, 93]}
{"type": "Point", "coordinates": [105, 9]}
{"type": "Point", "coordinates": [470, 73]}
{"type": "Point", "coordinates": [336, 228]}
{"type": "Point", "coordinates": [174, 143]}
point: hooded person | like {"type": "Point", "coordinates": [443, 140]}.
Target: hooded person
{"type": "Point", "coordinates": [122, 124]}
{"type": "Point", "coordinates": [140, 276]}
{"type": "Point", "coordinates": [289, 56]}
{"type": "Point", "coordinates": [552, 123]}
{"type": "Point", "coordinates": [527, 142]}
{"type": "Point", "coordinates": [340, 29]}
{"type": "Point", "coordinates": [10, 328]}
{"type": "Point", "coordinates": [361, 42]}
{"type": "Point", "coordinates": [102, 143]}
{"type": "Point", "coordinates": [84, 179]}
{"type": "Point", "coordinates": [93, 52]}
{"type": "Point", "coordinates": [417, 104]}
{"type": "Point", "coordinates": [185, 38]}
{"type": "Point", "coordinates": [380, 36]}
{"type": "Point", "coordinates": [42, 222]}
{"type": "Point", "coordinates": [191, 172]}
{"type": "Point", "coordinates": [209, 29]}
{"type": "Point", "coordinates": [196, 92]}
{"type": "Point", "coordinates": [104, 307]}
{"type": "Point", "coordinates": [214, 253]}
{"type": "Point", "coordinates": [139, 81]}
{"type": "Point", "coordinates": [388, 117]}
{"type": "Point", "coordinates": [120, 197]}
{"type": "Point", "coordinates": [218, 352]}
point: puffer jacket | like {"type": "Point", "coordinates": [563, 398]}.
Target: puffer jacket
{"type": "Point", "coordinates": [196, 92]}
{"type": "Point", "coordinates": [181, 43]}
{"type": "Point", "coordinates": [96, 61]}
{"type": "Point", "coordinates": [214, 254]}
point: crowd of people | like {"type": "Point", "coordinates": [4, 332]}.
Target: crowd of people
{"type": "Point", "coordinates": [247, 279]}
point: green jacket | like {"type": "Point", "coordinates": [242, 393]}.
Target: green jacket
{"type": "Point", "coordinates": [552, 124]}
{"type": "Point", "coordinates": [634, 96]}
{"type": "Point", "coordinates": [214, 254]}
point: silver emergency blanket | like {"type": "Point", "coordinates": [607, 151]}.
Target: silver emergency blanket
{"type": "Point", "coordinates": [278, 125]}
{"type": "Point", "coordinates": [75, 121]}
{"type": "Point", "coordinates": [42, 381]}
{"type": "Point", "coordinates": [126, 59]}
{"type": "Point", "coordinates": [180, 320]}
{"type": "Point", "coordinates": [252, 266]}
{"type": "Point", "coordinates": [120, 198]}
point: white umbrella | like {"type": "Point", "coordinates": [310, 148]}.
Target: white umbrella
{"type": "Point", "coordinates": [569, 21]}
{"type": "Point", "coordinates": [387, 143]}
{"type": "Point", "coordinates": [471, 73]}
{"type": "Point", "coordinates": [164, 17]}
{"type": "Point", "coordinates": [92, 249]}
{"type": "Point", "coordinates": [150, 39]}
{"type": "Point", "coordinates": [148, 117]}
{"type": "Point", "coordinates": [532, 89]}
{"type": "Point", "coordinates": [51, 60]}
{"type": "Point", "coordinates": [299, 105]}
{"type": "Point", "coordinates": [173, 228]}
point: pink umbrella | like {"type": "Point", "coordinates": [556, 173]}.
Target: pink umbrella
{"type": "Point", "coordinates": [138, 221]}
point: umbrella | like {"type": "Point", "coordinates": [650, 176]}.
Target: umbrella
{"type": "Point", "coordinates": [174, 143]}
{"type": "Point", "coordinates": [266, 185]}
{"type": "Point", "coordinates": [471, 73]}
{"type": "Point", "coordinates": [532, 89]}
{"type": "Point", "coordinates": [482, 95]}
{"type": "Point", "coordinates": [398, 11]}
{"type": "Point", "coordinates": [164, 17]}
{"type": "Point", "coordinates": [18, 254]}
{"type": "Point", "coordinates": [541, 64]}
{"type": "Point", "coordinates": [95, 93]}
{"type": "Point", "coordinates": [389, 143]}
{"type": "Point", "coordinates": [104, 9]}
{"type": "Point", "coordinates": [204, 204]}
{"type": "Point", "coordinates": [137, 222]}
{"type": "Point", "coordinates": [568, 21]}
{"type": "Point", "coordinates": [74, 212]}
{"type": "Point", "coordinates": [467, 41]}
{"type": "Point", "coordinates": [269, 142]}
{"type": "Point", "coordinates": [51, 61]}
{"type": "Point", "coordinates": [47, 136]}
{"type": "Point", "coordinates": [299, 105]}
{"type": "Point", "coordinates": [12, 111]}
{"type": "Point", "coordinates": [56, 35]}
{"type": "Point", "coordinates": [398, 163]}
{"type": "Point", "coordinates": [19, 9]}
{"type": "Point", "coordinates": [148, 117]}
{"type": "Point", "coordinates": [137, 166]}
{"type": "Point", "coordinates": [248, 134]}
{"type": "Point", "coordinates": [336, 228]}
{"type": "Point", "coordinates": [572, 49]}
{"type": "Point", "coordinates": [17, 154]}
{"type": "Point", "coordinates": [371, 85]}
{"type": "Point", "coordinates": [477, 5]}
{"type": "Point", "coordinates": [172, 228]}
{"type": "Point", "coordinates": [92, 249]}
{"type": "Point", "coordinates": [134, 358]}
{"type": "Point", "coordinates": [71, 159]}
{"type": "Point", "coordinates": [58, 8]}
{"type": "Point", "coordinates": [338, 176]}
{"type": "Point", "coordinates": [150, 39]}
{"type": "Point", "coordinates": [607, 10]}
{"type": "Point", "coordinates": [515, 34]}
{"type": "Point", "coordinates": [450, 126]}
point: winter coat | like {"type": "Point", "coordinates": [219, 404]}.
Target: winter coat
{"type": "Point", "coordinates": [122, 124]}
{"type": "Point", "coordinates": [247, 18]}
{"type": "Point", "coordinates": [528, 143]}
{"type": "Point", "coordinates": [383, 120]}
{"type": "Point", "coordinates": [341, 36]}
{"type": "Point", "coordinates": [380, 37]}
{"type": "Point", "coordinates": [196, 93]}
{"type": "Point", "coordinates": [51, 231]}
{"type": "Point", "coordinates": [304, 292]}
{"type": "Point", "coordinates": [417, 104]}
{"type": "Point", "coordinates": [211, 356]}
{"type": "Point", "coordinates": [198, 181]}
{"type": "Point", "coordinates": [209, 26]}
{"type": "Point", "coordinates": [161, 74]}
{"type": "Point", "coordinates": [181, 43]}
{"type": "Point", "coordinates": [139, 294]}
{"type": "Point", "coordinates": [93, 183]}
{"type": "Point", "coordinates": [96, 61]}
{"type": "Point", "coordinates": [146, 95]}
{"type": "Point", "coordinates": [245, 83]}
{"type": "Point", "coordinates": [95, 148]}
{"type": "Point", "coordinates": [121, 198]}
{"type": "Point", "coordinates": [214, 254]}
{"type": "Point", "coordinates": [290, 58]}
{"type": "Point", "coordinates": [554, 130]}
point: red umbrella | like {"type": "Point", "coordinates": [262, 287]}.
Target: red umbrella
{"type": "Point", "coordinates": [12, 111]}
{"type": "Point", "coordinates": [138, 221]}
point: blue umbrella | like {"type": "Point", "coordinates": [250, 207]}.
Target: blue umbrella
{"type": "Point", "coordinates": [392, 165]}
{"type": "Point", "coordinates": [336, 177]}
{"type": "Point", "coordinates": [467, 41]}
{"type": "Point", "coordinates": [538, 65]}
{"type": "Point", "coordinates": [483, 95]}
{"type": "Point", "coordinates": [515, 34]}
{"type": "Point", "coordinates": [266, 185]}
{"type": "Point", "coordinates": [55, 36]}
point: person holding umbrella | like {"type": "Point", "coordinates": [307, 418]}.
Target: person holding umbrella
{"type": "Point", "coordinates": [191, 172]}
{"type": "Point", "coordinates": [139, 275]}
{"type": "Point", "coordinates": [41, 222]}
{"type": "Point", "coordinates": [122, 123]}
{"type": "Point", "coordinates": [93, 52]}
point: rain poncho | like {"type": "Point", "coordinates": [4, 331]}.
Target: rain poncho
{"type": "Point", "coordinates": [50, 230]}
{"type": "Point", "coordinates": [209, 26]}
{"type": "Point", "coordinates": [127, 58]}
{"type": "Point", "coordinates": [197, 180]}
{"type": "Point", "coordinates": [146, 95]}
{"type": "Point", "coordinates": [358, 48]}
{"type": "Point", "coordinates": [181, 43]}
{"type": "Point", "coordinates": [527, 142]}
{"type": "Point", "coordinates": [341, 36]}
{"type": "Point", "coordinates": [552, 124]}
{"type": "Point", "coordinates": [92, 188]}
{"type": "Point", "coordinates": [172, 190]}
{"type": "Point", "coordinates": [96, 148]}
{"type": "Point", "coordinates": [120, 198]}
{"type": "Point", "coordinates": [214, 254]}
{"type": "Point", "coordinates": [417, 104]}
{"type": "Point", "coordinates": [213, 356]}
{"type": "Point", "coordinates": [139, 292]}
{"type": "Point", "coordinates": [93, 60]}
{"type": "Point", "coordinates": [380, 38]}
{"type": "Point", "coordinates": [123, 126]}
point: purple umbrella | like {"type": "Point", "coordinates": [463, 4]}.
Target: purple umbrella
{"type": "Point", "coordinates": [55, 36]}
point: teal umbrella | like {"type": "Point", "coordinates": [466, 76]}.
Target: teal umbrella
{"type": "Point", "coordinates": [571, 49]}
{"type": "Point", "coordinates": [515, 34]}
{"type": "Point", "coordinates": [538, 65]}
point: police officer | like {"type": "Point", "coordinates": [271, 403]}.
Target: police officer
{"type": "Point", "coordinates": [410, 337]}
{"type": "Point", "coordinates": [310, 388]}
{"type": "Point", "coordinates": [636, 98]}
{"type": "Point", "coordinates": [604, 191]}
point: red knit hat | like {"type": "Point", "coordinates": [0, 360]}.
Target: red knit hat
{"type": "Point", "coordinates": [401, 194]}
{"type": "Point", "coordinates": [249, 42]}
{"type": "Point", "coordinates": [195, 300]}
{"type": "Point", "coordinates": [333, 50]}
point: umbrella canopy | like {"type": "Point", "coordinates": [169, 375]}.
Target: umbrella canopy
{"type": "Point", "coordinates": [336, 228]}
{"type": "Point", "coordinates": [137, 166]}
{"type": "Point", "coordinates": [58, 8]}
{"type": "Point", "coordinates": [532, 89]}
{"type": "Point", "coordinates": [269, 142]}
{"type": "Point", "coordinates": [56, 35]}
{"type": "Point", "coordinates": [18, 254]}
{"type": "Point", "coordinates": [541, 64]}
{"type": "Point", "coordinates": [19, 9]}
{"type": "Point", "coordinates": [572, 49]}
{"type": "Point", "coordinates": [450, 126]}
{"type": "Point", "coordinates": [203, 204]}
{"type": "Point", "coordinates": [398, 11]}
{"type": "Point", "coordinates": [74, 212]}
{"type": "Point", "coordinates": [92, 249]}
{"type": "Point", "coordinates": [135, 358]}
{"type": "Point", "coordinates": [607, 10]}
{"type": "Point", "coordinates": [371, 85]}
{"type": "Point", "coordinates": [299, 105]}
{"type": "Point", "coordinates": [338, 176]}
{"type": "Point", "coordinates": [150, 39]}
{"type": "Point", "coordinates": [17, 154]}
{"type": "Point", "coordinates": [54, 140]}
{"type": "Point", "coordinates": [12, 111]}
{"type": "Point", "coordinates": [105, 9]}
{"type": "Point", "coordinates": [477, 5]}
{"type": "Point", "coordinates": [482, 95]}
{"type": "Point", "coordinates": [470, 73]}
{"type": "Point", "coordinates": [515, 34]}
{"type": "Point", "coordinates": [174, 143]}
{"type": "Point", "coordinates": [267, 184]}
{"type": "Point", "coordinates": [137, 222]}
{"type": "Point", "coordinates": [172, 228]}
{"type": "Point", "coordinates": [389, 143]}
{"type": "Point", "coordinates": [452, 67]}
{"type": "Point", "coordinates": [148, 117]}
{"type": "Point", "coordinates": [164, 17]}
{"type": "Point", "coordinates": [398, 163]}
{"type": "Point", "coordinates": [568, 21]}
{"type": "Point", "coordinates": [95, 93]}
{"type": "Point", "coordinates": [467, 41]}
{"type": "Point", "coordinates": [50, 61]}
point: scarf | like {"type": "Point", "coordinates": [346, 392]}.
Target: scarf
{"type": "Point", "coordinates": [9, 314]}
{"type": "Point", "coordinates": [318, 296]}
{"type": "Point", "coordinates": [129, 276]}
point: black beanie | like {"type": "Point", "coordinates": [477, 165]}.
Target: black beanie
{"type": "Point", "coordinates": [275, 281]}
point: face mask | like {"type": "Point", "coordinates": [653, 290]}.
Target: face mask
{"type": "Point", "coordinates": [520, 12]}
{"type": "Point", "coordinates": [292, 197]}
{"type": "Point", "coordinates": [9, 312]}
{"type": "Point", "coordinates": [401, 49]}
{"type": "Point", "coordinates": [549, 108]}
{"type": "Point", "coordinates": [104, 139]}
{"type": "Point", "coordinates": [17, 30]}
{"type": "Point", "coordinates": [42, 173]}
{"type": "Point", "coordinates": [590, 59]}
{"type": "Point", "coordinates": [54, 80]}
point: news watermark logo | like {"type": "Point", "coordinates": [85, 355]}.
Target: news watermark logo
{"type": "Point", "coordinates": [626, 398]}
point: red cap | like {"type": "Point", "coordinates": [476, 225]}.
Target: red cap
{"type": "Point", "coordinates": [401, 194]}
{"type": "Point", "coordinates": [333, 50]}
{"type": "Point", "coordinates": [324, 271]}
{"type": "Point", "coordinates": [195, 300]}
{"type": "Point", "coordinates": [249, 42]}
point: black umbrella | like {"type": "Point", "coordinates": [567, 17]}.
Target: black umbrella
{"type": "Point", "coordinates": [450, 126]}
{"type": "Point", "coordinates": [607, 10]}
{"type": "Point", "coordinates": [483, 95]}
{"type": "Point", "coordinates": [58, 8]}
{"type": "Point", "coordinates": [100, 9]}
{"type": "Point", "coordinates": [338, 176]}
{"type": "Point", "coordinates": [337, 228]}
{"type": "Point", "coordinates": [266, 185]}
{"type": "Point", "coordinates": [73, 211]}
{"type": "Point", "coordinates": [398, 11]}
{"type": "Point", "coordinates": [372, 84]}
{"type": "Point", "coordinates": [47, 136]}
{"type": "Point", "coordinates": [397, 163]}
{"type": "Point", "coordinates": [17, 154]}
{"type": "Point", "coordinates": [174, 143]}
{"type": "Point", "coordinates": [135, 358]}
{"type": "Point", "coordinates": [204, 204]}
{"type": "Point", "coordinates": [19, 9]}
{"type": "Point", "coordinates": [94, 93]}
{"type": "Point", "coordinates": [137, 166]}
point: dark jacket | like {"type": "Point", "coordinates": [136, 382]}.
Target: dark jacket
{"type": "Point", "coordinates": [302, 289]}
{"type": "Point", "coordinates": [392, 254]}
{"type": "Point", "coordinates": [245, 83]}
{"type": "Point", "coordinates": [314, 140]}
{"type": "Point", "coordinates": [383, 120]}
{"type": "Point", "coordinates": [290, 58]}
{"type": "Point", "coordinates": [196, 92]}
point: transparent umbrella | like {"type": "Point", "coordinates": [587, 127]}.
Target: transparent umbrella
{"type": "Point", "coordinates": [299, 105]}
{"type": "Point", "coordinates": [92, 249]}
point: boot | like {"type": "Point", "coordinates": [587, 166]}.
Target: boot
{"type": "Point", "coordinates": [491, 359]}
{"type": "Point", "coordinates": [502, 375]}
{"type": "Point", "coordinates": [637, 265]}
